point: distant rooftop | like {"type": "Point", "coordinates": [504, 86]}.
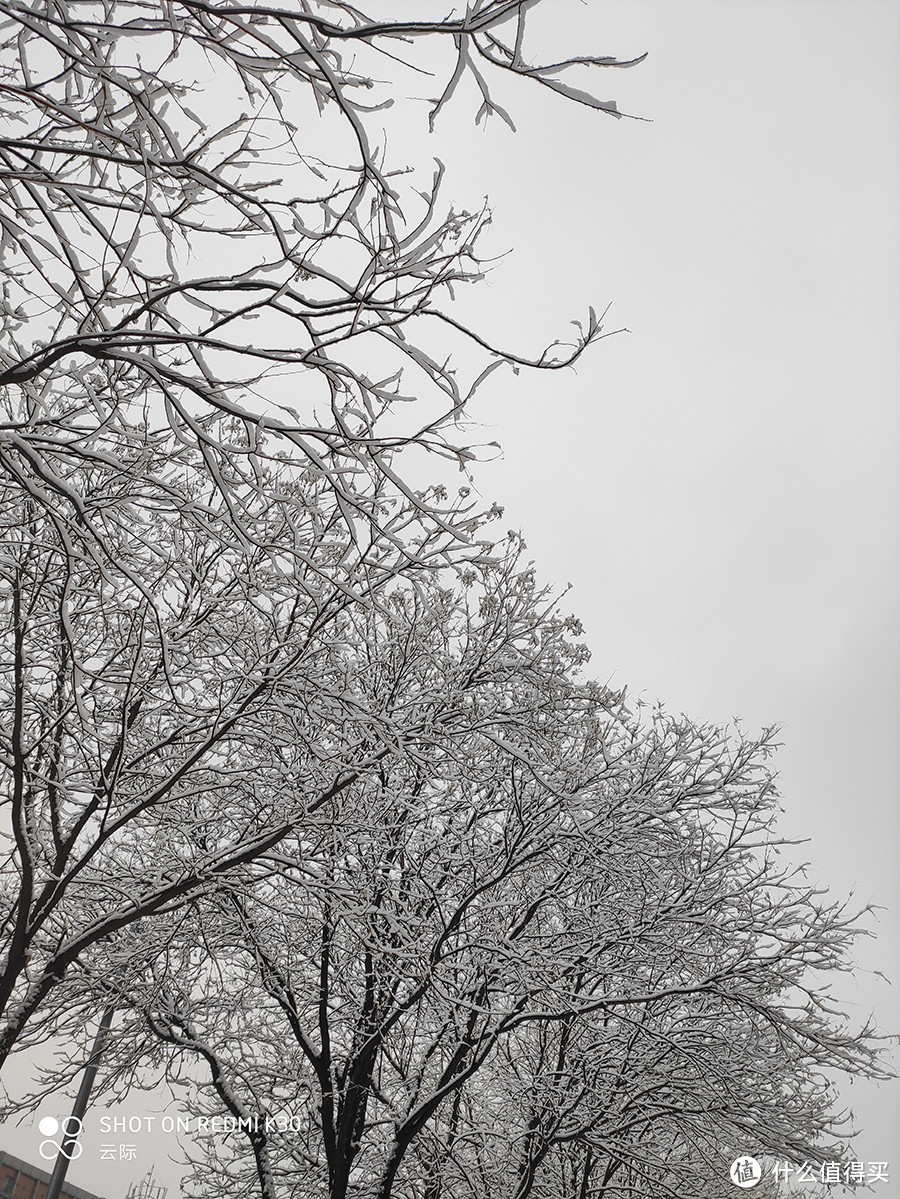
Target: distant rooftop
{"type": "Point", "coordinates": [19, 1180]}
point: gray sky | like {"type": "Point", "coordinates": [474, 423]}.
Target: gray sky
{"type": "Point", "coordinates": [720, 485]}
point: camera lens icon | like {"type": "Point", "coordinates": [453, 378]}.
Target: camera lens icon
{"type": "Point", "coordinates": [70, 1127]}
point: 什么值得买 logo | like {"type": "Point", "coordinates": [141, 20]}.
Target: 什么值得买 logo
{"type": "Point", "coordinates": [745, 1172]}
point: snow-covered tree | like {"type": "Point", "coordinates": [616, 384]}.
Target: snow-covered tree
{"type": "Point", "coordinates": [549, 951]}
{"type": "Point", "coordinates": [219, 296]}
{"type": "Point", "coordinates": [145, 664]}
{"type": "Point", "coordinates": [200, 217]}
{"type": "Point", "coordinates": [297, 769]}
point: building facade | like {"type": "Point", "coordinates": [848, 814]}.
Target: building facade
{"type": "Point", "coordinates": [19, 1180]}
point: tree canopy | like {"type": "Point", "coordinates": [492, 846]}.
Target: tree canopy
{"type": "Point", "coordinates": [144, 138]}
{"type": "Point", "coordinates": [302, 771]}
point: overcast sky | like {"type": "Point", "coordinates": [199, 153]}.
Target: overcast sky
{"type": "Point", "coordinates": [720, 484]}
